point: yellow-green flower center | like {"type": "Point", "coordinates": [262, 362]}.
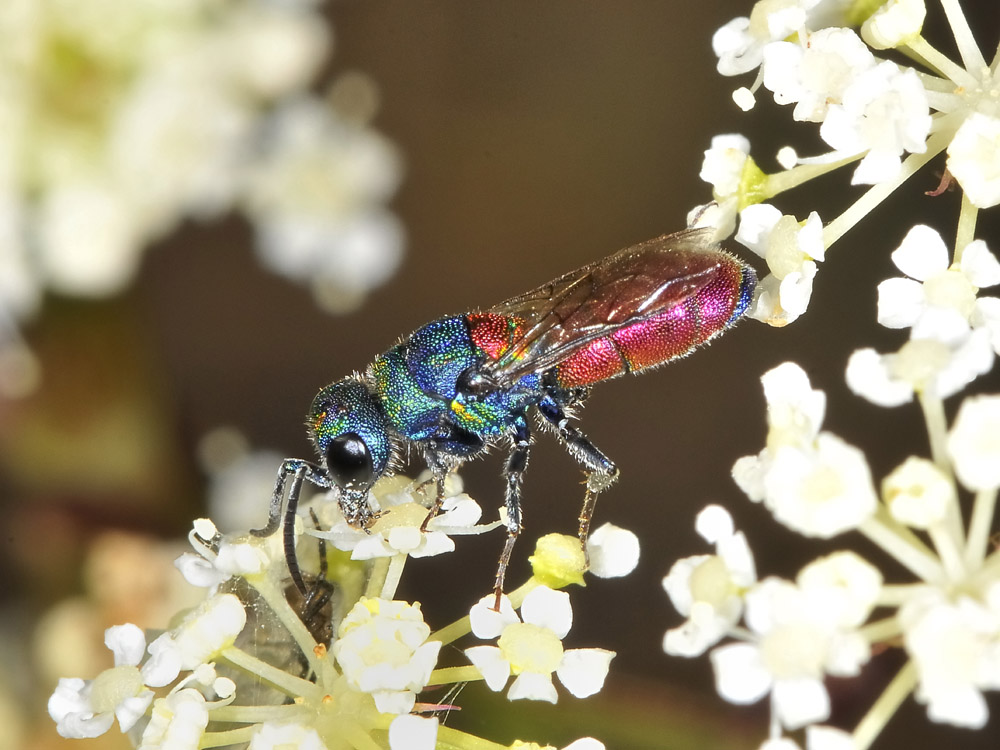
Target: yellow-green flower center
{"type": "Point", "coordinates": [531, 648]}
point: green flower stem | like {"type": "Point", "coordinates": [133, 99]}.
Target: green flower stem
{"type": "Point", "coordinates": [903, 545]}
{"type": "Point", "coordinates": [451, 675]}
{"type": "Point", "coordinates": [392, 576]}
{"type": "Point", "coordinates": [966, 231]}
{"type": "Point", "coordinates": [358, 737]}
{"type": "Point", "coordinates": [453, 739]}
{"type": "Point", "coordinates": [376, 577]}
{"type": "Point", "coordinates": [949, 550]}
{"type": "Point", "coordinates": [779, 182]}
{"type": "Point", "coordinates": [972, 57]}
{"type": "Point", "coordinates": [895, 595]}
{"type": "Point", "coordinates": [878, 193]}
{"type": "Point", "coordinates": [881, 630]}
{"type": "Point", "coordinates": [275, 599]}
{"type": "Point", "coordinates": [255, 714]}
{"type": "Point", "coordinates": [937, 430]}
{"type": "Point", "coordinates": [453, 632]}
{"type": "Point", "coordinates": [980, 526]}
{"type": "Point", "coordinates": [239, 736]}
{"type": "Point", "coordinates": [936, 60]}
{"type": "Point", "coordinates": [884, 708]}
{"type": "Point", "coordinates": [293, 686]}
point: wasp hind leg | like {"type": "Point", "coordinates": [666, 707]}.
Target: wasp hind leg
{"type": "Point", "coordinates": [601, 471]}
{"type": "Point", "coordinates": [300, 471]}
{"type": "Point", "coordinates": [517, 463]}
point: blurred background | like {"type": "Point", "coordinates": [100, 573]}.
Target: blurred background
{"type": "Point", "coordinates": [269, 224]}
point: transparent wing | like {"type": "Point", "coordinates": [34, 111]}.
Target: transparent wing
{"type": "Point", "coordinates": [635, 283]}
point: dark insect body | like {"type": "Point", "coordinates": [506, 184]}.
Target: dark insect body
{"type": "Point", "coordinates": [464, 383]}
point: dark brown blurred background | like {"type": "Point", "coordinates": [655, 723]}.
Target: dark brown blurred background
{"type": "Point", "coordinates": [537, 137]}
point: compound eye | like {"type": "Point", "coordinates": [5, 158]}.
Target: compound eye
{"type": "Point", "coordinates": [349, 461]}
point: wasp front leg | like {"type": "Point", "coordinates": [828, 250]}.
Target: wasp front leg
{"type": "Point", "coordinates": [600, 470]}
{"type": "Point", "coordinates": [517, 463]}
{"type": "Point", "coordinates": [299, 471]}
{"type": "Point", "coordinates": [444, 452]}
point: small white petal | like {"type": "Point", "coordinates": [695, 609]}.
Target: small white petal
{"type": "Point", "coordinates": [532, 686]}
{"type": "Point", "coordinates": [487, 623]}
{"type": "Point", "coordinates": [819, 737]}
{"type": "Point", "coordinates": [548, 608]}
{"type": "Point", "coordinates": [714, 523]}
{"type": "Point", "coordinates": [585, 743]}
{"type": "Point", "coordinates": [800, 702]}
{"type": "Point", "coordinates": [900, 302]}
{"type": "Point", "coordinates": [974, 159]}
{"type": "Point", "coordinates": [411, 732]}
{"type": "Point", "coordinates": [490, 662]}
{"type": "Point", "coordinates": [921, 254]}
{"type": "Point", "coordinates": [974, 442]}
{"type": "Point", "coordinates": [740, 677]}
{"type": "Point", "coordinates": [979, 265]}
{"type": "Point", "coordinates": [613, 551]}
{"type": "Point", "coordinates": [127, 642]}
{"type": "Point", "coordinates": [869, 376]}
{"type": "Point", "coordinates": [583, 670]}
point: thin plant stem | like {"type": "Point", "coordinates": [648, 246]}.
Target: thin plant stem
{"type": "Point", "coordinates": [966, 231]}
{"type": "Point", "coordinates": [878, 193]}
{"type": "Point", "coordinates": [283, 681]}
{"type": "Point", "coordinates": [903, 545]}
{"type": "Point", "coordinates": [881, 630]}
{"type": "Point", "coordinates": [450, 675]}
{"type": "Point", "coordinates": [980, 526]}
{"type": "Point", "coordinates": [972, 56]}
{"type": "Point", "coordinates": [884, 708]}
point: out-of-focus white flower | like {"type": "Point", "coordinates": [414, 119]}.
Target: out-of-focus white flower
{"type": "Point", "coordinates": [844, 585]}
{"type": "Point", "coordinates": [613, 551]}
{"type": "Point", "coordinates": [204, 632]}
{"type": "Point", "coordinates": [812, 481]}
{"type": "Point", "coordinates": [956, 647]}
{"type": "Point", "coordinates": [920, 366]}
{"type": "Point", "coordinates": [918, 493]}
{"type": "Point", "coordinates": [178, 722]}
{"type": "Point", "coordinates": [316, 197]}
{"type": "Point", "coordinates": [791, 250]}
{"type": "Point", "coordinates": [740, 43]}
{"type": "Point", "coordinates": [728, 168]}
{"type": "Point", "coordinates": [277, 736]}
{"type": "Point", "coordinates": [88, 708]}
{"type": "Point", "coordinates": [974, 443]}
{"type": "Point", "coordinates": [938, 300]}
{"type": "Point", "coordinates": [883, 111]}
{"type": "Point", "coordinates": [798, 639]}
{"type": "Point", "coordinates": [532, 649]}
{"type": "Point", "coordinates": [974, 159]}
{"type": "Point", "coordinates": [709, 589]}
{"type": "Point", "coordinates": [818, 737]}
{"type": "Point", "coordinates": [820, 491]}
{"type": "Point", "coordinates": [383, 650]}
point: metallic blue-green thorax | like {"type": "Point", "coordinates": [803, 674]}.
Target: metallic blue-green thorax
{"type": "Point", "coordinates": [416, 381]}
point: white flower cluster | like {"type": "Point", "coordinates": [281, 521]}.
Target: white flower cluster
{"type": "Point", "coordinates": [346, 665]}
{"type": "Point", "coordinates": [120, 119]}
{"type": "Point", "coordinates": [954, 333]}
{"type": "Point", "coordinates": [797, 633]}
{"type": "Point", "coordinates": [870, 110]}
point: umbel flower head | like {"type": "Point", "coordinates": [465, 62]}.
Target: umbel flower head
{"type": "Point", "coordinates": [827, 61]}
{"type": "Point", "coordinates": [341, 666]}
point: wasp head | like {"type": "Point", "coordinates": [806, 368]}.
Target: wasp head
{"type": "Point", "coordinates": [349, 429]}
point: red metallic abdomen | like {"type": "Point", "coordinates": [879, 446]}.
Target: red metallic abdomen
{"type": "Point", "coordinates": [670, 334]}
